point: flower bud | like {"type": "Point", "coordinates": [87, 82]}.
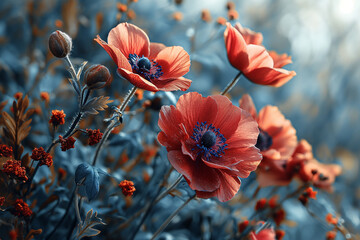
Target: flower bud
{"type": "Point", "coordinates": [60, 44]}
{"type": "Point", "coordinates": [97, 76]}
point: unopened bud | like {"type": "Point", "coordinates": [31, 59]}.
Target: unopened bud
{"type": "Point", "coordinates": [60, 44]}
{"type": "Point", "coordinates": [97, 76]}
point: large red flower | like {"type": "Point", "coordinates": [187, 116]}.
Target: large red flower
{"type": "Point", "coordinates": [150, 66]}
{"type": "Point", "coordinates": [211, 142]}
{"type": "Point", "coordinates": [277, 142]}
{"type": "Point", "coordinates": [258, 65]}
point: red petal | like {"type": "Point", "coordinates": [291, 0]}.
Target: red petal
{"type": "Point", "coordinates": [195, 108]}
{"type": "Point", "coordinates": [129, 39]}
{"type": "Point", "coordinates": [155, 48]}
{"type": "Point", "coordinates": [116, 55]}
{"type": "Point", "coordinates": [249, 36]}
{"type": "Point", "coordinates": [228, 116]}
{"type": "Point", "coordinates": [175, 62]}
{"type": "Point", "coordinates": [137, 80]}
{"type": "Point", "coordinates": [275, 77]}
{"type": "Point", "coordinates": [266, 234]}
{"type": "Point", "coordinates": [199, 176]}
{"type": "Point", "coordinates": [172, 84]}
{"type": "Point", "coordinates": [206, 195]}
{"type": "Point", "coordinates": [236, 48]}
{"type": "Point", "coordinates": [230, 185]}
{"type": "Point", "coordinates": [273, 177]}
{"type": "Point", "coordinates": [239, 161]}
{"type": "Point", "coordinates": [280, 60]}
{"type": "Point", "coordinates": [258, 57]}
{"type": "Point", "coordinates": [246, 133]}
{"type": "Point", "coordinates": [283, 134]}
{"type": "Point", "coordinates": [248, 105]}
{"type": "Point", "coordinates": [170, 124]}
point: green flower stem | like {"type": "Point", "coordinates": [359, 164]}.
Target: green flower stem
{"type": "Point", "coordinates": [231, 84]}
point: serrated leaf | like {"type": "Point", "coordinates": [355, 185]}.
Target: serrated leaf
{"type": "Point", "coordinates": [85, 229]}
{"type": "Point", "coordinates": [9, 123]}
{"type": "Point", "coordinates": [96, 104]}
{"type": "Point", "coordinates": [23, 131]}
{"type": "Point", "coordinates": [2, 105]}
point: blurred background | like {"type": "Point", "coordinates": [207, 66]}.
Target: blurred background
{"type": "Point", "coordinates": [322, 37]}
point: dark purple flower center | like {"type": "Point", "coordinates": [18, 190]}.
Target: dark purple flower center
{"type": "Point", "coordinates": [208, 140]}
{"type": "Point", "coordinates": [144, 64]}
{"type": "Point", "coordinates": [149, 69]}
{"type": "Point", "coordinates": [264, 141]}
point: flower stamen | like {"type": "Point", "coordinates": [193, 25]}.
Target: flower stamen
{"type": "Point", "coordinates": [209, 140]}
{"type": "Point", "coordinates": [149, 69]}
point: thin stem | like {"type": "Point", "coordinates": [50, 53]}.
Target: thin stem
{"type": "Point", "coordinates": [64, 216]}
{"type": "Point", "coordinates": [170, 218]}
{"type": "Point", "coordinates": [127, 99]}
{"type": "Point", "coordinates": [149, 204]}
{"type": "Point", "coordinates": [103, 140]}
{"type": "Point", "coordinates": [231, 84]}
{"type": "Point", "coordinates": [77, 211]}
{"type": "Point", "coordinates": [73, 72]}
{"type": "Point", "coordinates": [68, 133]}
{"type": "Point", "coordinates": [295, 193]}
{"type": "Point", "coordinates": [162, 195]}
{"type": "Point", "coordinates": [113, 124]}
{"type": "Point", "coordinates": [153, 202]}
{"type": "Point", "coordinates": [86, 97]}
{"type": "Point", "coordinates": [73, 125]}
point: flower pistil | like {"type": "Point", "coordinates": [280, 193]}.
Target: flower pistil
{"type": "Point", "coordinates": [209, 140]}
{"type": "Point", "coordinates": [149, 69]}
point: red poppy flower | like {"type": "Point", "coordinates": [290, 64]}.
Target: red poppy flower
{"type": "Point", "coordinates": [277, 142]}
{"type": "Point", "coordinates": [256, 38]}
{"type": "Point", "coordinates": [211, 142]}
{"type": "Point", "coordinates": [246, 55]}
{"type": "Point", "coordinates": [249, 35]}
{"type": "Point", "coordinates": [150, 66]}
